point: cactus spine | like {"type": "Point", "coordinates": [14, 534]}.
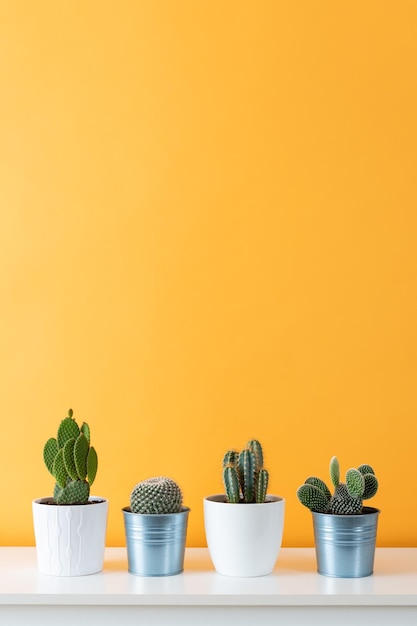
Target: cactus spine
{"type": "Point", "coordinates": [360, 484]}
{"type": "Point", "coordinates": [157, 495]}
{"type": "Point", "coordinates": [244, 477]}
{"type": "Point", "coordinates": [71, 461]}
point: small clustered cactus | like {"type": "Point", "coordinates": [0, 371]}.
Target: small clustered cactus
{"type": "Point", "coordinates": [360, 484]}
{"type": "Point", "coordinates": [71, 461]}
{"type": "Point", "coordinates": [244, 477]}
{"type": "Point", "coordinates": [157, 495]}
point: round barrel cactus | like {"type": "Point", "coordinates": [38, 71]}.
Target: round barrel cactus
{"type": "Point", "coordinates": [156, 495]}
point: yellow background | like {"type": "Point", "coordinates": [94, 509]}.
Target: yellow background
{"type": "Point", "coordinates": [207, 234]}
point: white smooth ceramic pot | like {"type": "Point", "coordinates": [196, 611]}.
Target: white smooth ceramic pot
{"type": "Point", "coordinates": [70, 539]}
{"type": "Point", "coordinates": [244, 539]}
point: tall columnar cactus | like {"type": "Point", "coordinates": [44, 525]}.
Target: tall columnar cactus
{"type": "Point", "coordinates": [360, 484]}
{"type": "Point", "coordinates": [244, 477]}
{"type": "Point", "coordinates": [71, 461]}
{"type": "Point", "coordinates": [156, 495]}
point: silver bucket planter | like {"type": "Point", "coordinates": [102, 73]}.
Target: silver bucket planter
{"type": "Point", "coordinates": [155, 543]}
{"type": "Point", "coordinates": [345, 544]}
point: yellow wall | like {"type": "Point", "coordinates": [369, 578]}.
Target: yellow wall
{"type": "Point", "coordinates": [208, 233]}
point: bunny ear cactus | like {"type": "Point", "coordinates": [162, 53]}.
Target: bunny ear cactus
{"type": "Point", "coordinates": [244, 477]}
{"type": "Point", "coordinates": [360, 484]}
{"type": "Point", "coordinates": [71, 461]}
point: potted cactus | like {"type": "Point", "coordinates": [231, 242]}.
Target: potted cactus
{"type": "Point", "coordinates": [344, 529]}
{"type": "Point", "coordinates": [156, 528]}
{"type": "Point", "coordinates": [244, 525]}
{"type": "Point", "coordinates": [70, 526]}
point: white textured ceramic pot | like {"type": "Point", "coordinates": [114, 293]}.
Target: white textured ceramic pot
{"type": "Point", "coordinates": [244, 539]}
{"type": "Point", "coordinates": [70, 539]}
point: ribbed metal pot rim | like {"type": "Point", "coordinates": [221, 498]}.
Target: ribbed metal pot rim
{"type": "Point", "coordinates": [367, 510]}
{"type": "Point", "coordinates": [184, 509]}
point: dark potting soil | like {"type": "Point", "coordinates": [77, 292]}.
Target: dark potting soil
{"type": "Point", "coordinates": [52, 502]}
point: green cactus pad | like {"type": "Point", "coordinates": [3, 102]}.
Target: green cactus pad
{"type": "Point", "coordinates": [317, 482]}
{"type": "Point", "coordinates": [92, 463]}
{"type": "Point", "coordinates": [365, 469]}
{"type": "Point", "coordinates": [231, 484]}
{"type": "Point", "coordinates": [58, 494]}
{"type": "Point", "coordinates": [75, 492]}
{"type": "Point", "coordinates": [68, 455]}
{"type": "Point", "coordinates": [334, 471]}
{"type": "Point", "coordinates": [50, 451]}
{"type": "Point", "coordinates": [68, 429]}
{"type": "Point", "coordinates": [85, 429]}
{"type": "Point", "coordinates": [261, 485]}
{"type": "Point", "coordinates": [157, 495]}
{"type": "Point", "coordinates": [80, 456]}
{"type": "Point", "coordinates": [255, 447]}
{"type": "Point", "coordinates": [371, 486]}
{"type": "Point", "coordinates": [342, 503]}
{"type": "Point", "coordinates": [355, 483]}
{"type": "Point", "coordinates": [58, 469]}
{"type": "Point", "coordinates": [313, 498]}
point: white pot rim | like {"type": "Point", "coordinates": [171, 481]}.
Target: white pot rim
{"type": "Point", "coordinates": [221, 498]}
{"type": "Point", "coordinates": [184, 509]}
{"type": "Point", "coordinates": [45, 499]}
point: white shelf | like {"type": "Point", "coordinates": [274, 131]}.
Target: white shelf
{"type": "Point", "coordinates": [293, 594]}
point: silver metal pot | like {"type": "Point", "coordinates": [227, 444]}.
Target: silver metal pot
{"type": "Point", "coordinates": [155, 543]}
{"type": "Point", "coordinates": [345, 544]}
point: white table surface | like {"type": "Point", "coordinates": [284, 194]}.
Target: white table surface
{"type": "Point", "coordinates": [295, 593]}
